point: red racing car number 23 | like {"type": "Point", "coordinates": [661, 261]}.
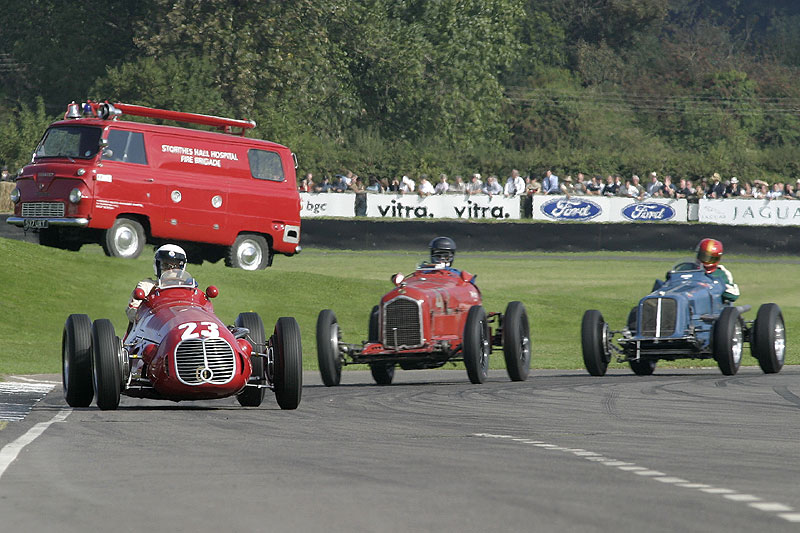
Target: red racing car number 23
{"type": "Point", "coordinates": [195, 330]}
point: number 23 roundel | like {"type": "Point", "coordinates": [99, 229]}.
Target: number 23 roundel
{"type": "Point", "coordinates": [196, 330]}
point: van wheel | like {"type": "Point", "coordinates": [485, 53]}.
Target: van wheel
{"type": "Point", "coordinates": [249, 252]}
{"type": "Point", "coordinates": [124, 239]}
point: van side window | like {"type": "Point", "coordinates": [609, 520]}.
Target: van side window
{"type": "Point", "coordinates": [265, 165]}
{"type": "Point", "coordinates": [126, 146]}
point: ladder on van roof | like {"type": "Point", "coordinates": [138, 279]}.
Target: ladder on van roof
{"type": "Point", "coordinates": [106, 110]}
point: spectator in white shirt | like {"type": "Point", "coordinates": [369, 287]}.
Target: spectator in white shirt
{"type": "Point", "coordinates": [406, 185]}
{"type": "Point", "coordinates": [442, 187]}
{"type": "Point", "coordinates": [514, 184]}
{"type": "Point", "coordinates": [425, 186]}
{"type": "Point", "coordinates": [475, 185]}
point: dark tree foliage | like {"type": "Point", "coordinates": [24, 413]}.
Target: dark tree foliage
{"type": "Point", "coordinates": [409, 86]}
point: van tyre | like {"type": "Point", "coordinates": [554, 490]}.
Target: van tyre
{"type": "Point", "coordinates": [595, 343]}
{"type": "Point", "coordinates": [328, 357]}
{"type": "Point", "coordinates": [106, 371]}
{"type": "Point", "coordinates": [249, 252]}
{"type": "Point", "coordinates": [288, 377]}
{"type": "Point", "coordinates": [517, 341]}
{"type": "Point", "coordinates": [768, 342]}
{"type": "Point", "coordinates": [728, 340]}
{"type": "Point", "coordinates": [253, 396]}
{"type": "Point", "coordinates": [476, 345]}
{"type": "Point", "coordinates": [76, 361]}
{"type": "Point", "coordinates": [125, 239]}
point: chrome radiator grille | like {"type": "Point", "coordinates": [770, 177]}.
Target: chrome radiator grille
{"type": "Point", "coordinates": [43, 209]}
{"type": "Point", "coordinates": [402, 323]}
{"type": "Point", "coordinates": [200, 361]}
{"type": "Point", "coordinates": [658, 317]}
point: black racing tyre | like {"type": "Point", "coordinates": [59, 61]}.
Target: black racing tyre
{"type": "Point", "coordinates": [374, 331]}
{"type": "Point", "coordinates": [253, 396]}
{"type": "Point", "coordinates": [517, 341]}
{"type": "Point", "coordinates": [106, 370]}
{"type": "Point", "coordinates": [125, 239]}
{"type": "Point", "coordinates": [382, 373]}
{"type": "Point", "coordinates": [249, 252]}
{"type": "Point", "coordinates": [288, 350]}
{"type": "Point", "coordinates": [476, 345]}
{"type": "Point", "coordinates": [76, 361]}
{"type": "Point", "coordinates": [728, 339]}
{"type": "Point", "coordinates": [643, 367]}
{"type": "Point", "coordinates": [633, 319]}
{"type": "Point", "coordinates": [768, 338]}
{"type": "Point", "coordinates": [595, 343]}
{"type": "Point", "coordinates": [328, 356]}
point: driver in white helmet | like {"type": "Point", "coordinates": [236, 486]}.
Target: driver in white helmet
{"type": "Point", "coordinates": [168, 259]}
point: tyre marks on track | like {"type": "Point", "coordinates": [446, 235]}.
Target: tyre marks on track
{"type": "Point", "coordinates": [790, 397]}
{"type": "Point", "coordinates": [778, 509]}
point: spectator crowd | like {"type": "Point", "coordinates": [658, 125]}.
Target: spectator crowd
{"type": "Point", "coordinates": [654, 186]}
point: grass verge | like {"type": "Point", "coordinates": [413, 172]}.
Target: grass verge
{"type": "Point", "coordinates": [42, 286]}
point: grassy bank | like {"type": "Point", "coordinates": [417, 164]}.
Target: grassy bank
{"type": "Point", "coordinates": [42, 286]}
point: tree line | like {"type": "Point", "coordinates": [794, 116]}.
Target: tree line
{"type": "Point", "coordinates": [392, 87]}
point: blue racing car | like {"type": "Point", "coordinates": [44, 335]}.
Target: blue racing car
{"type": "Point", "coordinates": [685, 317]}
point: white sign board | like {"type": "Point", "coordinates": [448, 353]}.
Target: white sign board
{"type": "Point", "coordinates": [608, 209]}
{"type": "Point", "coordinates": [411, 206]}
{"type": "Point", "coordinates": [750, 212]}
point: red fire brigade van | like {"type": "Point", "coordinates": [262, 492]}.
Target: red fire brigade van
{"type": "Point", "coordinates": [94, 178]}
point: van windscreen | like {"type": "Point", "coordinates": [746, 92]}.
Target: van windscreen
{"type": "Point", "coordinates": [79, 142]}
{"type": "Point", "coordinates": [265, 165]}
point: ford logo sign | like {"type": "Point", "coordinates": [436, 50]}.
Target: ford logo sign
{"type": "Point", "coordinates": [648, 211]}
{"type": "Point", "coordinates": [571, 209]}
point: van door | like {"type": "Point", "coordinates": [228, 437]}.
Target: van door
{"type": "Point", "coordinates": [195, 195]}
{"type": "Point", "coordinates": [124, 181]}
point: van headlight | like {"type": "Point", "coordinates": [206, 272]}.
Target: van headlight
{"type": "Point", "coordinates": [75, 196]}
{"type": "Point", "coordinates": [15, 195]}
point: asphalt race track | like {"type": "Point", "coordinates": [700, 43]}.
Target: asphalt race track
{"type": "Point", "coordinates": [682, 450]}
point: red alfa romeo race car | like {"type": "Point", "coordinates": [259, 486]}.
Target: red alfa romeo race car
{"type": "Point", "coordinates": [431, 317]}
{"type": "Point", "coordinates": [177, 349]}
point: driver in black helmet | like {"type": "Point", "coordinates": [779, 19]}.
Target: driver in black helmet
{"type": "Point", "coordinates": [443, 252]}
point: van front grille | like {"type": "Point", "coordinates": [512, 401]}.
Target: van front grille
{"type": "Point", "coordinates": [43, 209]}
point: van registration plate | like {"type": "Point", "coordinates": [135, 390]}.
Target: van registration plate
{"type": "Point", "coordinates": [34, 223]}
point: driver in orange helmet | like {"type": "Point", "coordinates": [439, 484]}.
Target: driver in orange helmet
{"type": "Point", "coordinates": [709, 252]}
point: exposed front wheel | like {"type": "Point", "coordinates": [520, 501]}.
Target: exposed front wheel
{"type": "Point", "coordinates": [288, 372]}
{"type": "Point", "coordinates": [643, 367]}
{"type": "Point", "coordinates": [249, 252]}
{"type": "Point", "coordinates": [382, 373]}
{"type": "Point", "coordinates": [328, 357]}
{"type": "Point", "coordinates": [125, 239]}
{"type": "Point", "coordinates": [374, 334]}
{"type": "Point", "coordinates": [253, 396]}
{"type": "Point", "coordinates": [595, 343]}
{"type": "Point", "coordinates": [106, 371]}
{"type": "Point", "coordinates": [517, 341]}
{"type": "Point", "coordinates": [76, 359]}
{"type": "Point", "coordinates": [728, 340]}
{"type": "Point", "coordinates": [476, 347]}
{"type": "Point", "coordinates": [768, 342]}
